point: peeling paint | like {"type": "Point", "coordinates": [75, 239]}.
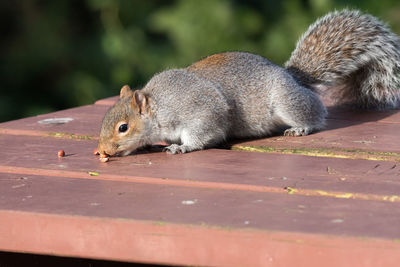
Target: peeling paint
{"type": "Point", "coordinates": [325, 152]}
{"type": "Point", "coordinates": [55, 121]}
{"type": "Point", "coordinates": [18, 186]}
{"type": "Point", "coordinates": [345, 195]}
{"type": "Point", "coordinates": [71, 136]}
{"type": "Point", "coordinates": [189, 202]}
{"type": "Point", "coordinates": [330, 170]}
{"type": "Point", "coordinates": [393, 198]}
{"type": "Point", "coordinates": [291, 190]}
{"type": "Point", "coordinates": [337, 221]}
{"type": "Point", "coordinates": [337, 195]}
{"type": "Point", "coordinates": [364, 141]}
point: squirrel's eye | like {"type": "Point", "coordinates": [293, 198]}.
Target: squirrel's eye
{"type": "Point", "coordinates": [123, 128]}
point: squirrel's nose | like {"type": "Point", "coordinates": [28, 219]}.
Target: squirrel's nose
{"type": "Point", "coordinates": [103, 151]}
{"type": "Point", "coordinates": [104, 154]}
{"type": "Point", "coordinates": [106, 148]}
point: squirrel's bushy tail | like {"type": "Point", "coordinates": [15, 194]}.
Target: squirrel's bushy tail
{"type": "Point", "coordinates": [354, 54]}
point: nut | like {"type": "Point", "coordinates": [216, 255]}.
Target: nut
{"type": "Point", "coordinates": [104, 159]}
{"type": "Point", "coordinates": [61, 153]}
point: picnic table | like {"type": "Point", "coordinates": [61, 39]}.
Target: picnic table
{"type": "Point", "coordinates": [328, 199]}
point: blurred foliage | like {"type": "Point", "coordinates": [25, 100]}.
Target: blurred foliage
{"type": "Point", "coordinates": [65, 53]}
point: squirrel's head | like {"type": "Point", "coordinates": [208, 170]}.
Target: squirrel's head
{"type": "Point", "coordinates": [123, 128]}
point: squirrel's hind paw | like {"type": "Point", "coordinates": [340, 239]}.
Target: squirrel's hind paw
{"type": "Point", "coordinates": [297, 131]}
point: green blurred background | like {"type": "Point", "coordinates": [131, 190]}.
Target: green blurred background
{"type": "Point", "coordinates": [66, 53]}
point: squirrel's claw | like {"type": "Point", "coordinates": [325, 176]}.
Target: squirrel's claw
{"type": "Point", "coordinates": [174, 149]}
{"type": "Point", "coordinates": [297, 131]}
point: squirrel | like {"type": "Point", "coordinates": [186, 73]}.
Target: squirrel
{"type": "Point", "coordinates": [243, 95]}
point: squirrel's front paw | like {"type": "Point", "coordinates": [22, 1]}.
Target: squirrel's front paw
{"type": "Point", "coordinates": [297, 131]}
{"type": "Point", "coordinates": [175, 149]}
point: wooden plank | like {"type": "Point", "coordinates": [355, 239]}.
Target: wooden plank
{"type": "Point", "coordinates": [84, 122]}
{"type": "Point", "coordinates": [348, 134]}
{"type": "Point", "coordinates": [107, 101]}
{"type": "Point", "coordinates": [220, 207]}
{"type": "Point", "coordinates": [359, 116]}
{"type": "Point", "coordinates": [314, 174]}
{"type": "Point", "coordinates": [175, 225]}
{"type": "Point", "coordinates": [369, 140]}
{"type": "Point", "coordinates": [139, 241]}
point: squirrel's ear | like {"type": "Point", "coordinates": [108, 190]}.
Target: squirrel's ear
{"type": "Point", "coordinates": [125, 92]}
{"type": "Point", "coordinates": [139, 102]}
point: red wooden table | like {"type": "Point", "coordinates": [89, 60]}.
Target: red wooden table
{"type": "Point", "coordinates": [327, 199]}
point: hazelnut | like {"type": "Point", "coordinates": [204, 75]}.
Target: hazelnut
{"type": "Point", "coordinates": [61, 153]}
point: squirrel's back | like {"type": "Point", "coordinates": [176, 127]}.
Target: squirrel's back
{"type": "Point", "coordinates": [354, 54]}
{"type": "Point", "coordinates": [257, 91]}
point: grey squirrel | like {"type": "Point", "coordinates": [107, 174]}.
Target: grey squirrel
{"type": "Point", "coordinates": [238, 94]}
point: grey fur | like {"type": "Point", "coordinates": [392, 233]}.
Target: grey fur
{"type": "Point", "coordinates": [352, 53]}
{"type": "Point", "coordinates": [181, 104]}
{"type": "Point", "coordinates": [237, 94]}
